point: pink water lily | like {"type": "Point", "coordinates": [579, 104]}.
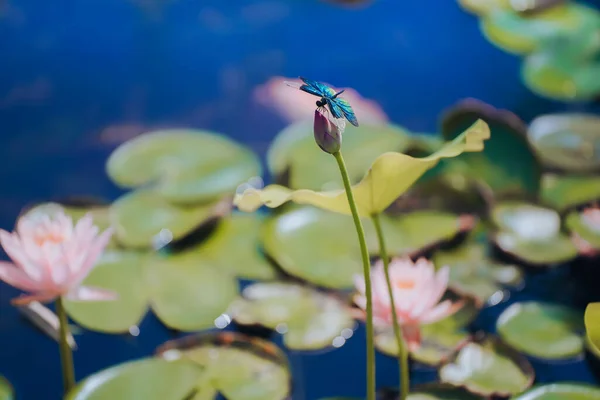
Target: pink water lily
{"type": "Point", "coordinates": [295, 105]}
{"type": "Point", "coordinates": [417, 289]}
{"type": "Point", "coordinates": [51, 258]}
{"type": "Point", "coordinates": [591, 218]}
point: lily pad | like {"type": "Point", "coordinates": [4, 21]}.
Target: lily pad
{"type": "Point", "coordinates": [507, 164]}
{"type": "Point", "coordinates": [188, 292]}
{"type": "Point", "coordinates": [317, 246]}
{"type": "Point", "coordinates": [307, 318]}
{"type": "Point", "coordinates": [440, 391]}
{"type": "Point", "coordinates": [297, 161]}
{"type": "Point", "coordinates": [532, 234]}
{"type": "Point", "coordinates": [141, 217]}
{"type": "Point", "coordinates": [542, 330]}
{"type": "Point", "coordinates": [567, 141]}
{"type": "Point", "coordinates": [577, 223]}
{"type": "Point", "coordinates": [568, 191]}
{"type": "Point", "coordinates": [474, 274]}
{"type": "Point", "coordinates": [235, 246]}
{"type": "Point", "coordinates": [592, 325]}
{"type": "Point", "coordinates": [565, 67]}
{"type": "Point", "coordinates": [522, 33]}
{"type": "Point", "coordinates": [183, 166]}
{"type": "Point", "coordinates": [6, 390]}
{"type": "Point", "coordinates": [561, 391]}
{"type": "Point", "coordinates": [485, 7]}
{"type": "Point", "coordinates": [390, 175]}
{"type": "Point", "coordinates": [122, 272]}
{"type": "Point", "coordinates": [237, 366]}
{"type": "Point", "coordinates": [488, 369]}
{"type": "Point", "coordinates": [148, 379]}
{"type": "Point", "coordinates": [413, 232]}
{"type": "Point", "coordinates": [438, 340]}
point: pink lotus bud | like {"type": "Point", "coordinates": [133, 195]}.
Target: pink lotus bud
{"type": "Point", "coordinates": [327, 134]}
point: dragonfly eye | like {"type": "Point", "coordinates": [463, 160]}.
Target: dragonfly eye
{"type": "Point", "coordinates": [320, 103]}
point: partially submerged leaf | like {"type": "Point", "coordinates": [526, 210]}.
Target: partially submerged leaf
{"type": "Point", "coordinates": [440, 391]}
{"type": "Point", "coordinates": [474, 274]}
{"type": "Point", "coordinates": [238, 366]}
{"type": "Point", "coordinates": [577, 223]}
{"type": "Point", "coordinates": [567, 141]}
{"type": "Point", "coordinates": [235, 246]}
{"type": "Point", "coordinates": [592, 324]}
{"type": "Point", "coordinates": [183, 166]}
{"type": "Point", "coordinates": [565, 67]}
{"type": "Point", "coordinates": [187, 292]}
{"type": "Point", "coordinates": [488, 369]}
{"type": "Point", "coordinates": [296, 161]}
{"type": "Point", "coordinates": [561, 391]}
{"type": "Point", "coordinates": [307, 318]}
{"type": "Point", "coordinates": [532, 234]}
{"type": "Point", "coordinates": [518, 33]}
{"type": "Point", "coordinates": [317, 246]}
{"type": "Point", "coordinates": [564, 192]}
{"type": "Point", "coordinates": [390, 175]}
{"type": "Point", "coordinates": [122, 272]}
{"type": "Point", "coordinates": [147, 378]}
{"type": "Point", "coordinates": [542, 330]}
{"type": "Point", "coordinates": [142, 216]}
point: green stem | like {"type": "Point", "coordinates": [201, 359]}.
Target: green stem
{"type": "Point", "coordinates": [66, 357]}
{"type": "Point", "coordinates": [402, 353]}
{"type": "Point", "coordinates": [367, 275]}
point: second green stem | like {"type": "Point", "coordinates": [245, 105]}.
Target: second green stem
{"type": "Point", "coordinates": [367, 276]}
{"type": "Point", "coordinates": [66, 357]}
{"type": "Point", "coordinates": [402, 353]}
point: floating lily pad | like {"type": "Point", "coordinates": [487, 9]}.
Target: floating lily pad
{"type": "Point", "coordinates": [148, 379]}
{"type": "Point", "coordinates": [439, 391]}
{"type": "Point", "coordinates": [567, 141]}
{"type": "Point", "coordinates": [542, 330]}
{"type": "Point", "coordinates": [561, 391]}
{"type": "Point", "coordinates": [592, 325]}
{"type": "Point", "coordinates": [318, 246]}
{"type": "Point", "coordinates": [235, 246]}
{"type": "Point", "coordinates": [295, 154]}
{"type": "Point", "coordinates": [308, 319]}
{"type": "Point", "coordinates": [529, 8]}
{"type": "Point", "coordinates": [474, 274]}
{"type": "Point", "coordinates": [237, 366]}
{"type": "Point", "coordinates": [122, 272]}
{"type": "Point", "coordinates": [507, 164]}
{"type": "Point", "coordinates": [522, 33]}
{"type": "Point", "coordinates": [140, 216]}
{"type": "Point", "coordinates": [532, 234]}
{"type": "Point", "coordinates": [6, 390]}
{"type": "Point", "coordinates": [563, 192]}
{"type": "Point", "coordinates": [488, 369]}
{"type": "Point", "coordinates": [99, 214]}
{"type": "Point", "coordinates": [438, 340]}
{"type": "Point", "coordinates": [415, 231]}
{"type": "Point", "coordinates": [188, 292]}
{"type": "Point", "coordinates": [183, 166]}
{"type": "Point", "coordinates": [565, 67]}
{"type": "Point", "coordinates": [576, 222]}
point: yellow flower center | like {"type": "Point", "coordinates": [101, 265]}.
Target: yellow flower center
{"type": "Point", "coordinates": [52, 237]}
{"type": "Point", "coordinates": [404, 283]}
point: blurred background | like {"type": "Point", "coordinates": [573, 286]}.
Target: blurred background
{"type": "Point", "coordinates": [78, 78]}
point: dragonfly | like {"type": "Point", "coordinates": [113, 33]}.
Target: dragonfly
{"type": "Point", "coordinates": [339, 107]}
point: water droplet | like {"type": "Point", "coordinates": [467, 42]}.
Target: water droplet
{"type": "Point", "coordinates": [222, 321]}
{"type": "Point", "coordinates": [338, 341]}
{"type": "Point", "coordinates": [347, 333]}
{"type": "Point", "coordinates": [281, 328]}
{"type": "Point", "coordinates": [134, 330]}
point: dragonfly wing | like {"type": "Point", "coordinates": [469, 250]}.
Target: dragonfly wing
{"type": "Point", "coordinates": [317, 88]}
{"type": "Point", "coordinates": [335, 109]}
{"type": "Point", "coordinates": [346, 110]}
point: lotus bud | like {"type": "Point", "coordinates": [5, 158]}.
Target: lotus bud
{"type": "Point", "coordinates": [328, 135]}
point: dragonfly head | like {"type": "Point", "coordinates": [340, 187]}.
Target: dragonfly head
{"type": "Point", "coordinates": [322, 102]}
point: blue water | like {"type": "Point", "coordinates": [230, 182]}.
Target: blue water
{"type": "Point", "coordinates": [71, 68]}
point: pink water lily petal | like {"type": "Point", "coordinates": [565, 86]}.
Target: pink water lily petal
{"type": "Point", "coordinates": [92, 256]}
{"type": "Point", "coordinates": [14, 249]}
{"type": "Point", "coordinates": [412, 336]}
{"type": "Point", "coordinates": [89, 293]}
{"type": "Point", "coordinates": [14, 276]}
{"type": "Point", "coordinates": [441, 311]}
